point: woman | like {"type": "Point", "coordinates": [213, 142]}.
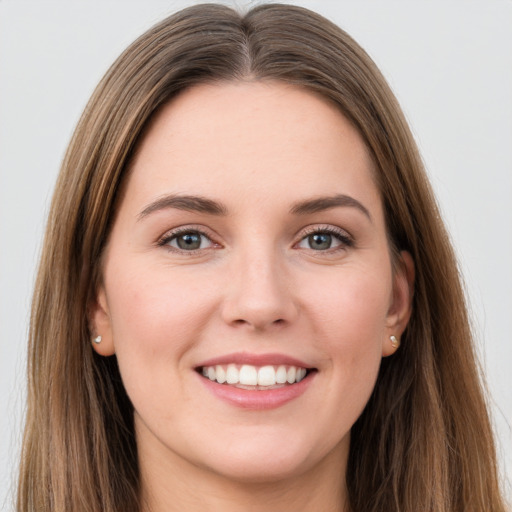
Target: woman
{"type": "Point", "coordinates": [252, 302]}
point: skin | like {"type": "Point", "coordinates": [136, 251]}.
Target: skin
{"type": "Point", "coordinates": [255, 285]}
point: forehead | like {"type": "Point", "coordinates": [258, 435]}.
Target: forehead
{"type": "Point", "coordinates": [258, 136]}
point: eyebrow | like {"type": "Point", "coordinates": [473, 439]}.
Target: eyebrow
{"type": "Point", "coordinates": [184, 202]}
{"type": "Point", "coordinates": [320, 204]}
{"type": "Point", "coordinates": [201, 204]}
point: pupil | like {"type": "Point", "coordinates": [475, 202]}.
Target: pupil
{"type": "Point", "coordinates": [320, 241]}
{"type": "Point", "coordinates": [189, 241]}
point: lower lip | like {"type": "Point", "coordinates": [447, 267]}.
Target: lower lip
{"type": "Point", "coordinates": [258, 399]}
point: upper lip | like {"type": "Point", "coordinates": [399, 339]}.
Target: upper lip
{"type": "Point", "coordinates": [273, 359]}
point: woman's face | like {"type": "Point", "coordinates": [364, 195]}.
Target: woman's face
{"type": "Point", "coordinates": [249, 248]}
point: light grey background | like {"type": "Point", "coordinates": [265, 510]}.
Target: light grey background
{"type": "Point", "coordinates": [449, 62]}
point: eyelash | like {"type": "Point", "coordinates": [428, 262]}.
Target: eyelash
{"type": "Point", "coordinates": [346, 241]}
{"type": "Point", "coordinates": [171, 235]}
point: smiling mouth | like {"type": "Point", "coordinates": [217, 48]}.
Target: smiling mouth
{"type": "Point", "coordinates": [256, 378]}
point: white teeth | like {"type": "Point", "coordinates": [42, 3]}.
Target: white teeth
{"type": "Point", "coordinates": [232, 374]}
{"type": "Point", "coordinates": [281, 375]}
{"type": "Point", "coordinates": [301, 373]}
{"type": "Point", "coordinates": [221, 374]}
{"type": "Point", "coordinates": [266, 376]}
{"type": "Point", "coordinates": [248, 375]}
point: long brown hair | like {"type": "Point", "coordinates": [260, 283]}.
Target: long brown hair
{"type": "Point", "coordinates": [423, 442]}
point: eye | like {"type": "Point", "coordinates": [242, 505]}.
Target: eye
{"type": "Point", "coordinates": [325, 239]}
{"type": "Point", "coordinates": [186, 240]}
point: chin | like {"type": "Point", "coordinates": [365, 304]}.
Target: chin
{"type": "Point", "coordinates": [264, 470]}
{"type": "Point", "coordinates": [267, 460]}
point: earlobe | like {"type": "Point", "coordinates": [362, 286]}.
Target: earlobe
{"type": "Point", "coordinates": [100, 325]}
{"type": "Point", "coordinates": [401, 304]}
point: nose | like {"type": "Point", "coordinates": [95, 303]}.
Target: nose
{"type": "Point", "coordinates": [260, 293]}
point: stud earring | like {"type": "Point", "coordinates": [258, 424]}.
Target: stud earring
{"type": "Point", "coordinates": [395, 343]}
{"type": "Point", "coordinates": [97, 340]}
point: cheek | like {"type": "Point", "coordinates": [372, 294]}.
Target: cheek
{"type": "Point", "coordinates": [351, 309]}
{"type": "Point", "coordinates": [155, 314]}
{"type": "Point", "coordinates": [350, 327]}
{"type": "Point", "coordinates": [348, 312]}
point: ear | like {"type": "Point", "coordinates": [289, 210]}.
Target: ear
{"type": "Point", "coordinates": [101, 325]}
{"type": "Point", "coordinates": [401, 305]}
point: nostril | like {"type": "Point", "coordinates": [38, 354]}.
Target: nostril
{"type": "Point", "coordinates": [241, 321]}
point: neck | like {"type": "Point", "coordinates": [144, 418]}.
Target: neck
{"type": "Point", "coordinates": [172, 484]}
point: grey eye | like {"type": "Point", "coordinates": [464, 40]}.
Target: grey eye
{"type": "Point", "coordinates": [189, 241]}
{"type": "Point", "coordinates": [324, 240]}
{"type": "Point", "coordinates": [320, 241]}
